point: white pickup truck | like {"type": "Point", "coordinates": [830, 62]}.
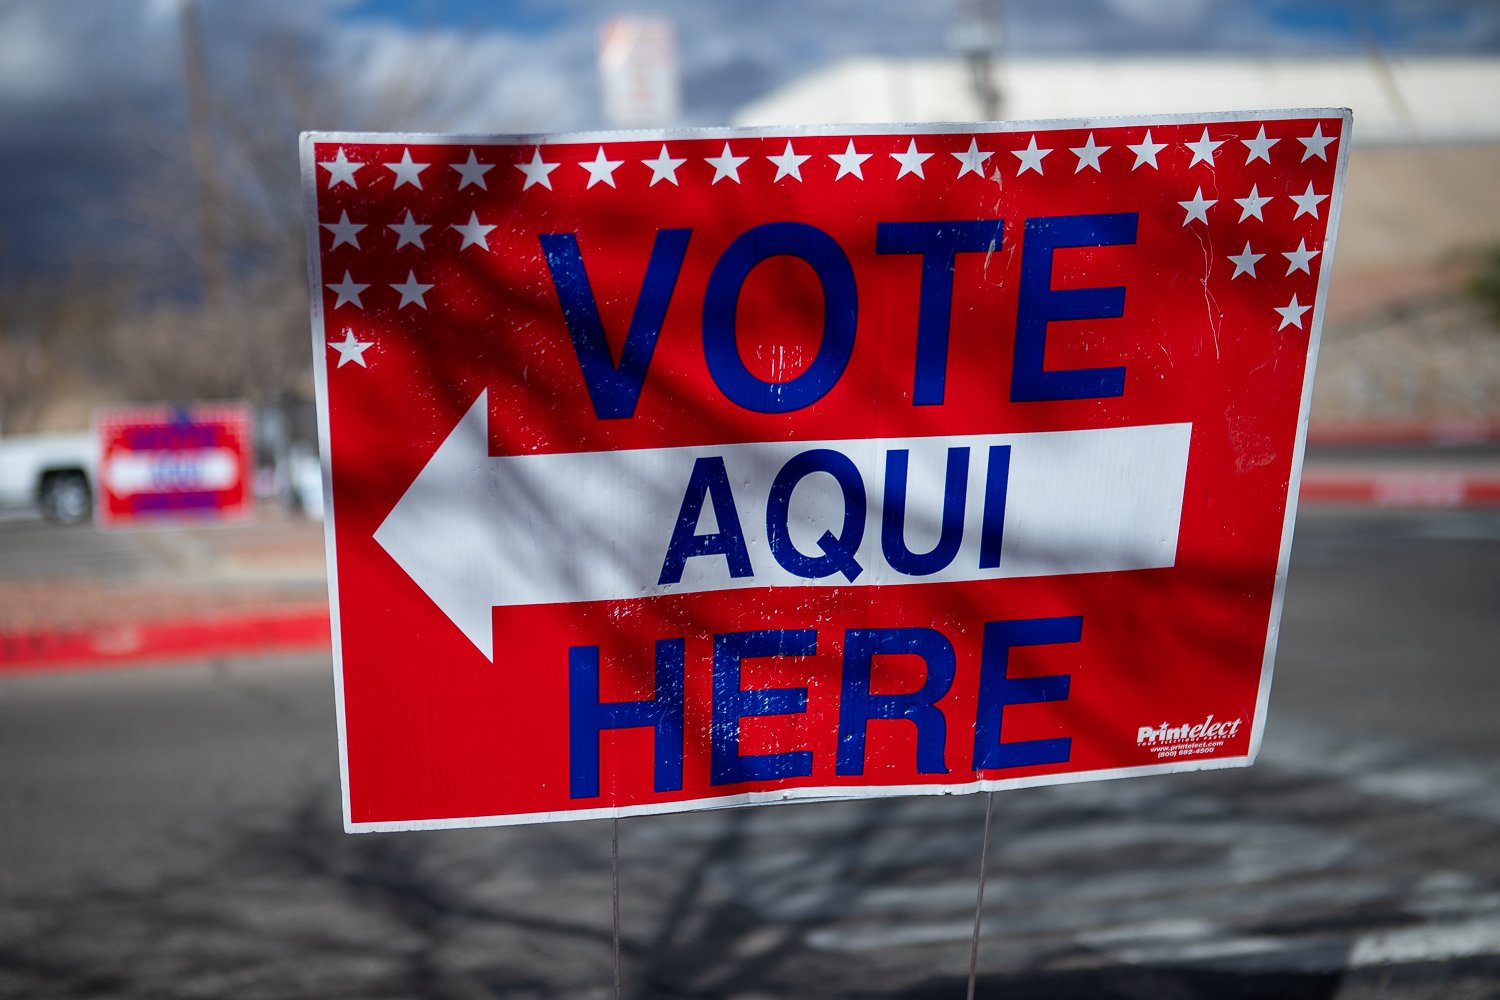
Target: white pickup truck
{"type": "Point", "coordinates": [52, 472]}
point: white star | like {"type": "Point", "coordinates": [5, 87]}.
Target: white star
{"type": "Point", "coordinates": [340, 170]}
{"type": "Point", "coordinates": [1146, 151]}
{"type": "Point", "coordinates": [1307, 202]}
{"type": "Point", "coordinates": [350, 349]}
{"type": "Point", "coordinates": [788, 163]}
{"type": "Point", "coordinates": [1244, 262]}
{"type": "Point", "coordinates": [1316, 144]}
{"type": "Point", "coordinates": [601, 170]}
{"type": "Point", "coordinates": [1300, 258]}
{"type": "Point", "coordinates": [1260, 147]}
{"type": "Point", "coordinates": [1291, 314]}
{"type": "Point", "coordinates": [472, 172]}
{"type": "Point", "coordinates": [726, 164]}
{"type": "Point", "coordinates": [850, 162]}
{"type": "Point", "coordinates": [474, 232]}
{"type": "Point", "coordinates": [1203, 149]}
{"type": "Point", "coordinates": [409, 231]}
{"type": "Point", "coordinates": [664, 167]}
{"type": "Point", "coordinates": [348, 291]}
{"type": "Point", "coordinates": [412, 291]}
{"type": "Point", "coordinates": [911, 161]}
{"type": "Point", "coordinates": [1088, 155]}
{"type": "Point", "coordinates": [344, 231]}
{"type": "Point", "coordinates": [1198, 207]}
{"type": "Point", "coordinates": [1252, 203]}
{"type": "Point", "coordinates": [972, 160]}
{"type": "Point", "coordinates": [408, 172]}
{"type": "Point", "coordinates": [536, 171]}
{"type": "Point", "coordinates": [1031, 157]}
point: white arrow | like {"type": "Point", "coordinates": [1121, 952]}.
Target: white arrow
{"type": "Point", "coordinates": [475, 532]}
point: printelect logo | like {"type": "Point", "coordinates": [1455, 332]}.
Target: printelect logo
{"type": "Point", "coordinates": [1208, 729]}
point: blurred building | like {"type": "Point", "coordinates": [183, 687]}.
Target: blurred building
{"type": "Point", "coordinates": [1395, 101]}
{"type": "Point", "coordinates": [1422, 203]}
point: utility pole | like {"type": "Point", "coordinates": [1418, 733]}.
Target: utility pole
{"type": "Point", "coordinates": [977, 38]}
{"type": "Point", "coordinates": [200, 132]}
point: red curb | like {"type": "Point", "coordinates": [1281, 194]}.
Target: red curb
{"type": "Point", "coordinates": [1406, 432]}
{"type": "Point", "coordinates": [1424, 490]}
{"type": "Point", "coordinates": [285, 630]}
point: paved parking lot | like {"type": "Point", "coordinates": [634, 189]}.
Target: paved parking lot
{"type": "Point", "coordinates": [174, 832]}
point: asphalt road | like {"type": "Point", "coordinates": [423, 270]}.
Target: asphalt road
{"type": "Point", "coordinates": [173, 832]}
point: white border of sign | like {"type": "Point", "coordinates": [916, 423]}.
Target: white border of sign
{"type": "Point", "coordinates": [320, 378]}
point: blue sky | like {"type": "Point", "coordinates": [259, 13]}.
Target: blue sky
{"type": "Point", "coordinates": [521, 17]}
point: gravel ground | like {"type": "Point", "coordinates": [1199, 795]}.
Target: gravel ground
{"type": "Point", "coordinates": [1436, 358]}
{"type": "Point", "coordinates": [62, 578]}
{"type": "Point", "coordinates": [74, 605]}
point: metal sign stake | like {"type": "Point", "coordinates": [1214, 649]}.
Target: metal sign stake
{"type": "Point", "coordinates": [984, 850]}
{"type": "Point", "coordinates": [614, 858]}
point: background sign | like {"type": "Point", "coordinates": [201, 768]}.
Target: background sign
{"type": "Point", "coordinates": [707, 468]}
{"type": "Point", "coordinates": [161, 463]}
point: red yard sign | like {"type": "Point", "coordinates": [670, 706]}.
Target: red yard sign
{"type": "Point", "coordinates": [680, 470]}
{"type": "Point", "coordinates": [165, 463]}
